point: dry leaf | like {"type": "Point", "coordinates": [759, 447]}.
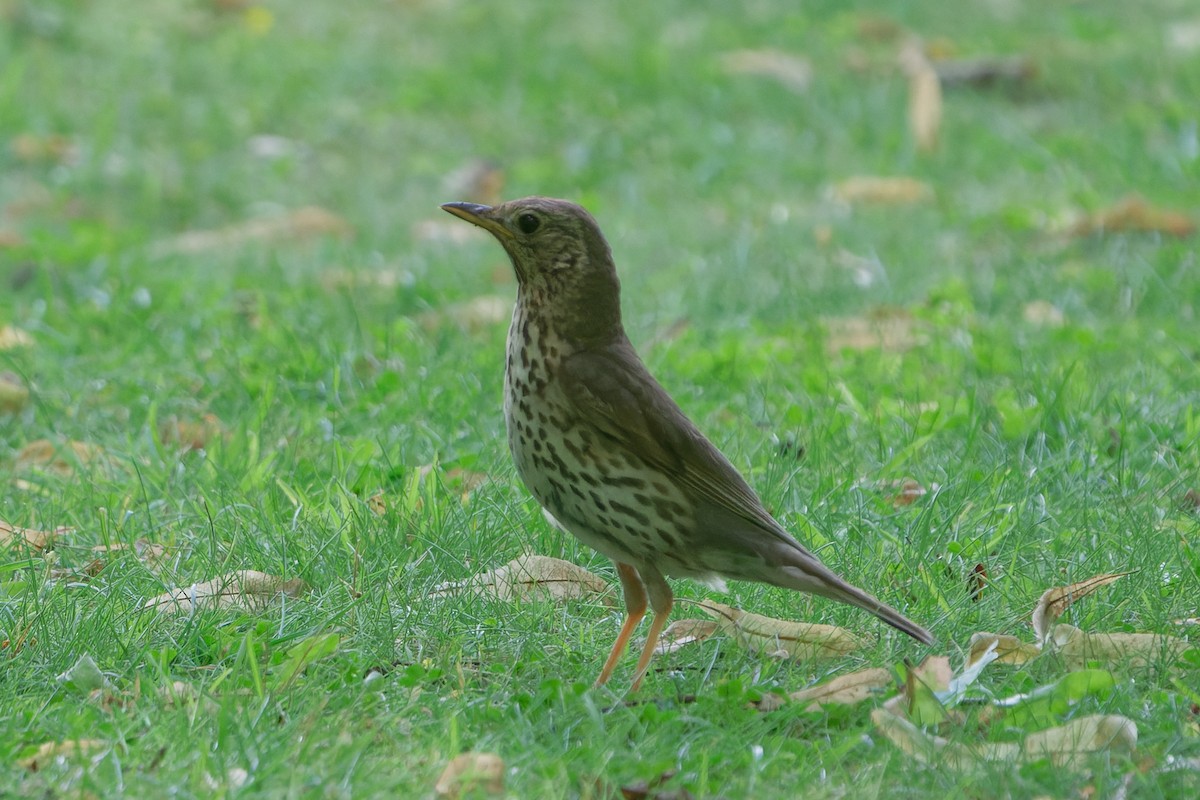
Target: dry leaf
{"type": "Point", "coordinates": [1136, 215]}
{"type": "Point", "coordinates": [930, 749]}
{"type": "Point", "coordinates": [682, 632]}
{"type": "Point", "coordinates": [528, 577]}
{"type": "Point", "coordinates": [38, 540]}
{"type": "Point", "coordinates": [471, 772]}
{"type": "Point", "coordinates": [14, 395]}
{"type": "Point", "coordinates": [303, 223]}
{"type": "Point", "coordinates": [378, 503]}
{"type": "Point", "coordinates": [12, 337]}
{"type": "Point", "coordinates": [792, 71]}
{"type": "Point", "coordinates": [924, 97]}
{"type": "Point", "coordinates": [977, 582]}
{"type": "Point", "coordinates": [891, 333]}
{"type": "Point", "coordinates": [479, 313]}
{"type": "Point", "coordinates": [149, 553]}
{"type": "Point", "coordinates": [1055, 601]}
{"type": "Point", "coordinates": [984, 70]}
{"type": "Point", "coordinates": [54, 148]}
{"type": "Point", "coordinates": [1069, 745]}
{"type": "Point", "coordinates": [907, 491]}
{"type": "Point", "coordinates": [799, 640]}
{"type": "Point", "coordinates": [58, 458]}
{"type": "Point", "coordinates": [1009, 649]}
{"type": "Point", "coordinates": [882, 191]}
{"type": "Point", "coordinates": [51, 751]}
{"type": "Point", "coordinates": [191, 434]}
{"type": "Point", "coordinates": [845, 689]}
{"type": "Point", "coordinates": [477, 181]}
{"type": "Point", "coordinates": [1135, 649]}
{"type": "Point", "coordinates": [247, 589]}
{"type": "Point", "coordinates": [1042, 312]}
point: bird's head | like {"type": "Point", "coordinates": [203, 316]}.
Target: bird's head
{"type": "Point", "coordinates": [563, 264]}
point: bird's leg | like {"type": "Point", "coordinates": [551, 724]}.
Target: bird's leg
{"type": "Point", "coordinates": [635, 609]}
{"type": "Point", "coordinates": [661, 601]}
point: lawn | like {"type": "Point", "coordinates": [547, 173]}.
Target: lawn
{"type": "Point", "coordinates": [237, 333]}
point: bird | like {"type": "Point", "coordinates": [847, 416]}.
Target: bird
{"type": "Point", "coordinates": [606, 451]}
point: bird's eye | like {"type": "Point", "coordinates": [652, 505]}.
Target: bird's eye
{"type": "Point", "coordinates": [528, 223]}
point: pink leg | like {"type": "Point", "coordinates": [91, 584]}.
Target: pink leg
{"type": "Point", "coordinates": [635, 609]}
{"type": "Point", "coordinates": [661, 601]}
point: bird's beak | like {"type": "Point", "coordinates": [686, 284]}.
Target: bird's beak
{"type": "Point", "coordinates": [481, 216]}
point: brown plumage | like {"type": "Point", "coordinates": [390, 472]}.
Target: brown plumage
{"type": "Point", "coordinates": [605, 449]}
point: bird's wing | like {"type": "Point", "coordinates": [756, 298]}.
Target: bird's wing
{"type": "Point", "coordinates": [622, 399]}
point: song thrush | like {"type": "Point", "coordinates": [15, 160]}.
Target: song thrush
{"type": "Point", "coordinates": [608, 453]}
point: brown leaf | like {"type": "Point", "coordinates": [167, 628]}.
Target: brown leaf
{"type": "Point", "coordinates": [51, 751]}
{"type": "Point", "coordinates": [891, 333]}
{"type": "Point", "coordinates": [682, 632]}
{"type": "Point", "coordinates": [1069, 745]}
{"type": "Point", "coordinates": [191, 434]}
{"type": "Point", "coordinates": [924, 97]}
{"type": "Point", "coordinates": [984, 70]}
{"type": "Point", "coordinates": [845, 689]}
{"type": "Point", "coordinates": [301, 224]}
{"type": "Point", "coordinates": [61, 458]}
{"type": "Point", "coordinates": [14, 395]}
{"type": "Point", "coordinates": [54, 148]}
{"type": "Point", "coordinates": [471, 772]}
{"type": "Point", "coordinates": [528, 577]}
{"type": "Point", "coordinates": [1134, 214]}
{"type": "Point", "coordinates": [1044, 313]}
{"type": "Point", "coordinates": [907, 491]}
{"type": "Point", "coordinates": [870, 189]}
{"type": "Point", "coordinates": [1134, 649]}
{"type": "Point", "coordinates": [151, 554]}
{"type": "Point", "coordinates": [929, 749]}
{"type": "Point", "coordinates": [1054, 602]}
{"type": "Point", "coordinates": [378, 503]}
{"type": "Point", "coordinates": [478, 181]}
{"type": "Point", "coordinates": [247, 589]}
{"type": "Point", "coordinates": [977, 582]}
{"type": "Point", "coordinates": [476, 314]}
{"type": "Point", "coordinates": [793, 72]}
{"type": "Point", "coordinates": [12, 337]}
{"type": "Point", "coordinates": [1009, 649]}
{"type": "Point", "coordinates": [798, 640]}
{"type": "Point", "coordinates": [38, 540]}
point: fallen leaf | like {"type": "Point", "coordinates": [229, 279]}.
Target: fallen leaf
{"type": "Point", "coordinates": [378, 503]}
{"type": "Point", "coordinates": [478, 181]}
{"type": "Point", "coordinates": [977, 582]}
{"type": "Point", "coordinates": [1009, 649]}
{"type": "Point", "coordinates": [1133, 214]}
{"type": "Point", "coordinates": [1054, 602]}
{"type": "Point", "coordinates": [61, 459]}
{"type": "Point", "coordinates": [51, 751]}
{"type": "Point", "coordinates": [14, 395]}
{"type": "Point", "coordinates": [476, 314]}
{"type": "Point", "coordinates": [984, 70]}
{"type": "Point", "coordinates": [799, 640]}
{"type": "Point", "coordinates": [930, 749]}
{"type": "Point", "coordinates": [471, 772]}
{"type": "Point", "coordinates": [54, 148]}
{"type": "Point", "coordinates": [38, 540]}
{"type": "Point", "coordinates": [303, 223]}
{"type": "Point", "coordinates": [1042, 312]}
{"type": "Point", "coordinates": [12, 337]}
{"type": "Point", "coordinates": [924, 97]}
{"type": "Point", "coordinates": [882, 191]}
{"type": "Point", "coordinates": [528, 577]}
{"type": "Point", "coordinates": [793, 72]}
{"type": "Point", "coordinates": [682, 632]}
{"type": "Point", "coordinates": [151, 554]}
{"type": "Point", "coordinates": [908, 491]}
{"type": "Point", "coordinates": [191, 434]}
{"type": "Point", "coordinates": [248, 589]}
{"type": "Point", "coordinates": [893, 333]}
{"type": "Point", "coordinates": [922, 687]}
{"type": "Point", "coordinates": [1135, 649]}
{"type": "Point", "coordinates": [1069, 745]}
{"type": "Point", "coordinates": [845, 689]}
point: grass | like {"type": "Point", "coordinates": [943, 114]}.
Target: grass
{"type": "Point", "coordinates": [1059, 451]}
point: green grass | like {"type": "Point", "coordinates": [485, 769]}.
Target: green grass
{"type": "Point", "coordinates": [1060, 452]}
